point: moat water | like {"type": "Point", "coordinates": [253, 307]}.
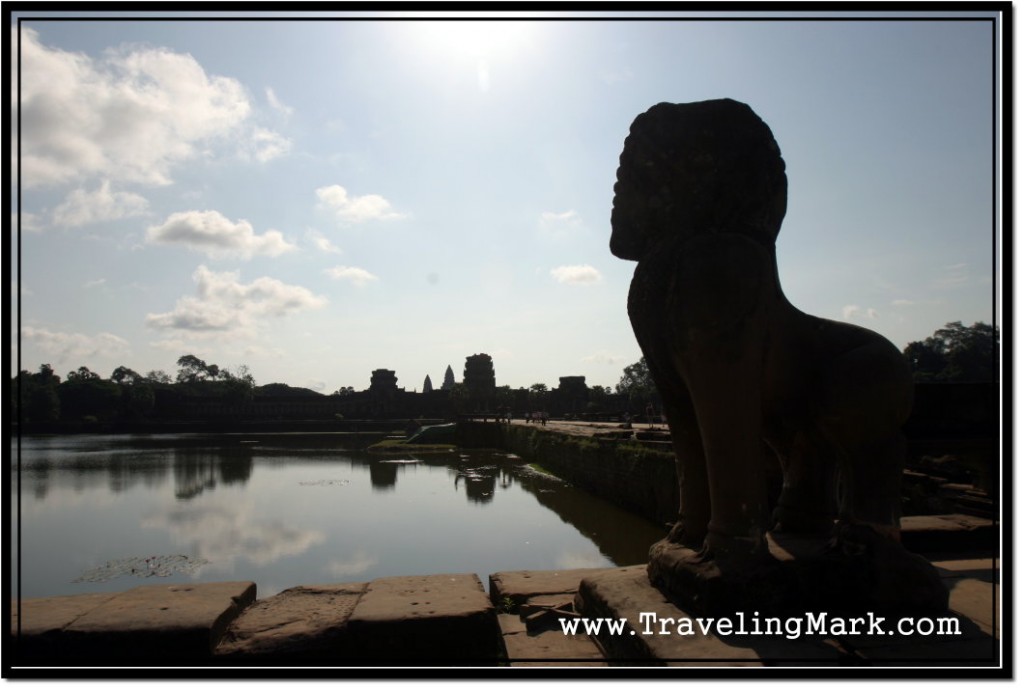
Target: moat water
{"type": "Point", "coordinates": [97, 513]}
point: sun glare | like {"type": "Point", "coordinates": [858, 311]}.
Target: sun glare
{"type": "Point", "coordinates": [476, 40]}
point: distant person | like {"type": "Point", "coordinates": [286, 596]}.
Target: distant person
{"type": "Point", "coordinates": [650, 416]}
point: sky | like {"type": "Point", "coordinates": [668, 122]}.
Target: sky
{"type": "Point", "coordinates": [318, 199]}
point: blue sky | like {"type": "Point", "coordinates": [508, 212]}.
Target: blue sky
{"type": "Point", "coordinates": [320, 199]}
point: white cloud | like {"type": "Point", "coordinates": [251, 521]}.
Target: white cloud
{"type": "Point", "coordinates": [322, 243]}
{"type": "Point", "coordinates": [96, 283]}
{"type": "Point", "coordinates": [30, 223]}
{"type": "Point", "coordinates": [269, 145]}
{"type": "Point", "coordinates": [563, 226]}
{"type": "Point", "coordinates": [857, 312]}
{"type": "Point", "coordinates": [276, 103]}
{"type": "Point", "coordinates": [550, 219]}
{"type": "Point", "coordinates": [223, 533]}
{"type": "Point", "coordinates": [75, 347]}
{"type": "Point", "coordinates": [353, 274]}
{"type": "Point", "coordinates": [213, 234]}
{"type": "Point", "coordinates": [353, 209]}
{"type": "Point", "coordinates": [583, 274]}
{"type": "Point", "coordinates": [358, 563]}
{"type": "Point", "coordinates": [902, 303]}
{"type": "Point", "coordinates": [131, 115]}
{"type": "Point", "coordinates": [603, 358]}
{"type": "Point", "coordinates": [225, 305]}
{"type": "Point", "coordinates": [82, 207]}
{"type": "Point", "coordinates": [952, 276]}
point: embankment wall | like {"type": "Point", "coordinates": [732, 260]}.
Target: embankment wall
{"type": "Point", "coordinates": [637, 478]}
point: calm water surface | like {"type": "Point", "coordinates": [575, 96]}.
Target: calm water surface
{"type": "Point", "coordinates": [275, 510]}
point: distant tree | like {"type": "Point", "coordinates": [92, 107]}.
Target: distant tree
{"type": "Point", "coordinates": [955, 353]}
{"type": "Point", "coordinates": [635, 377]}
{"type": "Point", "coordinates": [36, 398]}
{"type": "Point", "coordinates": [191, 369]}
{"type": "Point", "coordinates": [137, 397]}
{"type": "Point", "coordinates": [428, 387]}
{"type": "Point", "coordinates": [82, 373]}
{"type": "Point", "coordinates": [449, 379]}
{"type": "Point", "coordinates": [242, 375]}
{"type": "Point", "coordinates": [538, 396]}
{"type": "Point", "coordinates": [344, 391]}
{"type": "Point", "coordinates": [638, 385]}
{"type": "Point", "coordinates": [85, 395]}
{"type": "Point", "coordinates": [598, 397]}
{"type": "Point", "coordinates": [158, 376]}
{"type": "Point", "coordinates": [124, 375]}
{"type": "Point", "coordinates": [926, 361]}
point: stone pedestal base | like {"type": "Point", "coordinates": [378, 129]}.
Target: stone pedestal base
{"type": "Point", "coordinates": [799, 575]}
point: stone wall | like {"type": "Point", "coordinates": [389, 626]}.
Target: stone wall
{"type": "Point", "coordinates": [639, 479]}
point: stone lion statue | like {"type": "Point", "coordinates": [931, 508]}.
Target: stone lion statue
{"type": "Point", "coordinates": [699, 201]}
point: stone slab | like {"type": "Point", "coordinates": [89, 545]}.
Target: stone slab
{"type": "Point", "coordinates": [42, 622]}
{"type": "Point", "coordinates": [443, 619]}
{"type": "Point", "coordinates": [975, 599]}
{"type": "Point", "coordinates": [49, 615]}
{"type": "Point", "coordinates": [167, 622]}
{"type": "Point", "coordinates": [297, 625]}
{"type": "Point", "coordinates": [802, 574]}
{"type": "Point", "coordinates": [510, 624]}
{"type": "Point", "coordinates": [552, 649]}
{"type": "Point", "coordinates": [546, 648]}
{"type": "Point", "coordinates": [947, 533]}
{"type": "Point", "coordinates": [981, 569]}
{"type": "Point", "coordinates": [626, 593]}
{"type": "Point", "coordinates": [970, 642]}
{"type": "Point", "coordinates": [520, 586]}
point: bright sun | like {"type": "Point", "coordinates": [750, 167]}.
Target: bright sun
{"type": "Point", "coordinates": [476, 40]}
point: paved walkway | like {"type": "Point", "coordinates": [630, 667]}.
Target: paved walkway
{"type": "Point", "coordinates": [448, 620]}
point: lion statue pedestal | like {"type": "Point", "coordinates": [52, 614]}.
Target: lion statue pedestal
{"type": "Point", "coordinates": [699, 202]}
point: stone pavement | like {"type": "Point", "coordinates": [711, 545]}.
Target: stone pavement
{"type": "Point", "coordinates": [448, 620]}
{"type": "Point", "coordinates": [154, 624]}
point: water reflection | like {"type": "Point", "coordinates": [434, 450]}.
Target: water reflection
{"type": "Point", "coordinates": [285, 515]}
{"type": "Point", "coordinates": [198, 470]}
{"type": "Point", "coordinates": [383, 475]}
{"type": "Point", "coordinates": [221, 532]}
{"type": "Point", "coordinates": [479, 483]}
{"type": "Point", "coordinates": [359, 563]}
{"type": "Point", "coordinates": [613, 532]}
{"type": "Point", "coordinates": [117, 472]}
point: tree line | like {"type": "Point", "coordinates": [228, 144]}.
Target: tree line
{"type": "Point", "coordinates": [954, 353]}
{"type": "Point", "coordinates": [83, 395]}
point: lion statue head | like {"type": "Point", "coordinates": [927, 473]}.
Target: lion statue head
{"type": "Point", "coordinates": [694, 168]}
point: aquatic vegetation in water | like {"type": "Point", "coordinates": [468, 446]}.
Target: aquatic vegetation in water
{"type": "Point", "coordinates": [322, 483]}
{"type": "Point", "coordinates": [142, 567]}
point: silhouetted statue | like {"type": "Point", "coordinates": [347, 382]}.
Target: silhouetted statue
{"type": "Point", "coordinates": [699, 201]}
